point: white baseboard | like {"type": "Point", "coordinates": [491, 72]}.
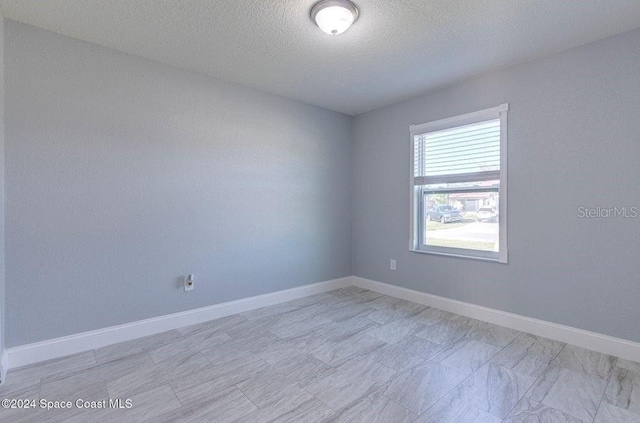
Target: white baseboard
{"type": "Point", "coordinates": [4, 365]}
{"type": "Point", "coordinates": [594, 341]}
{"type": "Point", "coordinates": [72, 344]}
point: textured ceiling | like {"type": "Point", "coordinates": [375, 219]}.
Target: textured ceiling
{"type": "Point", "coordinates": [397, 49]}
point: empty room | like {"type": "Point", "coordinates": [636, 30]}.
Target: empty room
{"type": "Point", "coordinates": [279, 211]}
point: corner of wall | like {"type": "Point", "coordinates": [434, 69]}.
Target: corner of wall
{"type": "Point", "coordinates": [351, 187]}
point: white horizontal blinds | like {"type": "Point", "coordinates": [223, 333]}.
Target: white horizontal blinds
{"type": "Point", "coordinates": [462, 153]}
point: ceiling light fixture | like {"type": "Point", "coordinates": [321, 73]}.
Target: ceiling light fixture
{"type": "Point", "coordinates": [334, 16]}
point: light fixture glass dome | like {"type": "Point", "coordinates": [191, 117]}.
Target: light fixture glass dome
{"type": "Point", "coordinates": [334, 16]}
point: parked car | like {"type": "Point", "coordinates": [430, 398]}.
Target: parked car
{"type": "Point", "coordinates": [444, 214]}
{"type": "Point", "coordinates": [487, 214]}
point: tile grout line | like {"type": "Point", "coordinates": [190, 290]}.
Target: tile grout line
{"type": "Point", "coordinates": [535, 382]}
{"type": "Point", "coordinates": [319, 400]}
{"type": "Point", "coordinates": [396, 402]}
{"type": "Point", "coordinates": [361, 397]}
{"type": "Point", "coordinates": [528, 389]}
{"type": "Point", "coordinates": [174, 394]}
{"type": "Point", "coordinates": [248, 399]}
{"type": "Point", "coordinates": [465, 379]}
{"type": "Point", "coordinates": [605, 389]}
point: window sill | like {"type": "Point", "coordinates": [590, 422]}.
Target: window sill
{"type": "Point", "coordinates": [463, 256]}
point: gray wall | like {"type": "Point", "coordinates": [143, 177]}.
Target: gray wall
{"type": "Point", "coordinates": [2, 301]}
{"type": "Point", "coordinates": [574, 140]}
{"type": "Point", "coordinates": [123, 175]}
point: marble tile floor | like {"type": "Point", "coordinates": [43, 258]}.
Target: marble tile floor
{"type": "Point", "coordinates": [346, 356]}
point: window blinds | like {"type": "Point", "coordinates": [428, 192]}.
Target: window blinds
{"type": "Point", "coordinates": [459, 154]}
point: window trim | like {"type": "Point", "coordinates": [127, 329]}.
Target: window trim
{"type": "Point", "coordinates": [500, 112]}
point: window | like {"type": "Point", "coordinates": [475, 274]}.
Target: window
{"type": "Point", "coordinates": [459, 185]}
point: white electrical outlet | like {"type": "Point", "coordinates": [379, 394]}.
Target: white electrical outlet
{"type": "Point", "coordinates": [392, 264]}
{"type": "Point", "coordinates": [189, 282]}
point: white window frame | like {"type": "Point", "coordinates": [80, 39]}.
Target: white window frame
{"type": "Point", "coordinates": [415, 244]}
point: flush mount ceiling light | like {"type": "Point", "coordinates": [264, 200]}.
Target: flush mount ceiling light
{"type": "Point", "coordinates": [334, 16]}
